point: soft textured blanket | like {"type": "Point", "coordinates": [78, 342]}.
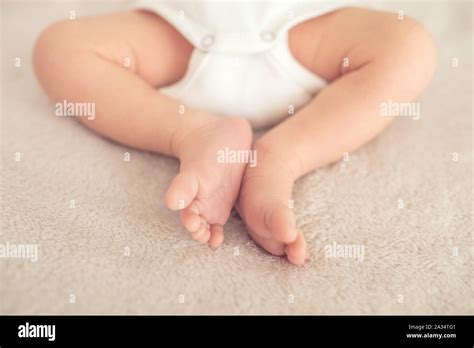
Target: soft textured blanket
{"type": "Point", "coordinates": [399, 209]}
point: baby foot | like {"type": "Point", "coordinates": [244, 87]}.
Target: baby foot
{"type": "Point", "coordinates": [265, 206]}
{"type": "Point", "coordinates": [206, 188]}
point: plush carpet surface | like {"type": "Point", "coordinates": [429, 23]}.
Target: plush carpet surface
{"type": "Point", "coordinates": [106, 243]}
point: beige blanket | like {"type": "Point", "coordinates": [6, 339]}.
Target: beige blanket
{"type": "Point", "coordinates": [105, 243]}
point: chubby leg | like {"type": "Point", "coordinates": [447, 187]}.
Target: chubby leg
{"type": "Point", "coordinates": [116, 62]}
{"type": "Point", "coordinates": [388, 59]}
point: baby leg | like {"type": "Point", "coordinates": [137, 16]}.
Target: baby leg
{"type": "Point", "coordinates": [116, 62]}
{"type": "Point", "coordinates": [368, 57]}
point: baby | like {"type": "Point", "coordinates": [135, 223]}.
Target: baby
{"type": "Point", "coordinates": [191, 80]}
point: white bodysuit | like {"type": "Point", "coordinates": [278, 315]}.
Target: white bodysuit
{"type": "Point", "coordinates": [242, 65]}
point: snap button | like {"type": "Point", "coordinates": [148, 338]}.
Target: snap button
{"type": "Point", "coordinates": [267, 35]}
{"type": "Point", "coordinates": [207, 41]}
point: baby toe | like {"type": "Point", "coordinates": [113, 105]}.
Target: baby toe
{"type": "Point", "coordinates": [280, 221]}
{"type": "Point", "coordinates": [217, 236]}
{"type": "Point", "coordinates": [190, 218]}
{"type": "Point", "coordinates": [296, 251]}
{"type": "Point", "coordinates": [203, 234]}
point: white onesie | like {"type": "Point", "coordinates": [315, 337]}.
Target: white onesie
{"type": "Point", "coordinates": [242, 65]}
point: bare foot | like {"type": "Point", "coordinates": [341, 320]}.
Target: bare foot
{"type": "Point", "coordinates": [265, 205]}
{"type": "Point", "coordinates": [205, 189]}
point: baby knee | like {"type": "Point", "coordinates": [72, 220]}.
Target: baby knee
{"type": "Point", "coordinates": [67, 45]}
{"type": "Point", "coordinates": [404, 53]}
{"type": "Point", "coordinates": [416, 51]}
{"type": "Point", "coordinates": [420, 39]}
{"type": "Point", "coordinates": [51, 45]}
